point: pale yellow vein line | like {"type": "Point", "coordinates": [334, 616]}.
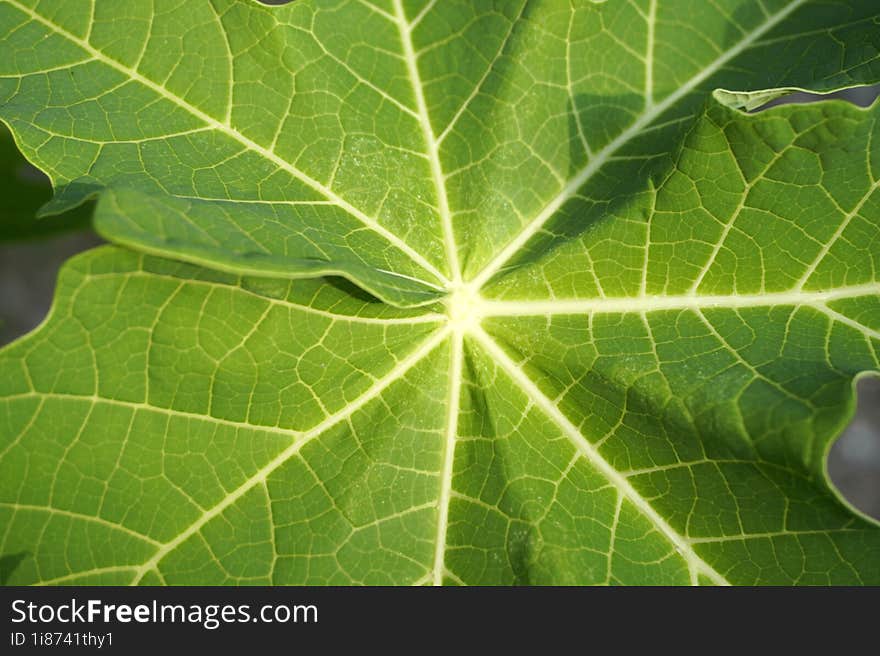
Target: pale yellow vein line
{"type": "Point", "coordinates": [653, 112]}
{"type": "Point", "coordinates": [452, 575]}
{"type": "Point", "coordinates": [91, 572]}
{"type": "Point", "coordinates": [618, 505]}
{"type": "Point", "coordinates": [151, 330]}
{"type": "Point", "coordinates": [424, 12]}
{"type": "Point", "coordinates": [453, 408]}
{"type": "Point", "coordinates": [23, 430]}
{"type": "Point", "coordinates": [721, 241]}
{"type": "Point", "coordinates": [776, 534]}
{"type": "Point", "coordinates": [230, 81]}
{"type": "Point", "coordinates": [569, 83]}
{"type": "Point", "coordinates": [91, 25]}
{"type": "Point", "coordinates": [21, 507]}
{"type": "Point", "coordinates": [363, 80]}
{"type": "Point", "coordinates": [478, 87]}
{"type": "Point", "coordinates": [424, 580]}
{"type": "Point", "coordinates": [641, 304]}
{"type": "Point", "coordinates": [261, 476]}
{"type": "Point", "coordinates": [646, 256]}
{"type": "Point", "coordinates": [62, 460]}
{"type": "Point", "coordinates": [614, 477]}
{"type": "Point", "coordinates": [820, 257]}
{"type": "Point", "coordinates": [145, 140]}
{"type": "Point", "coordinates": [376, 10]}
{"type": "Point", "coordinates": [179, 414]}
{"type": "Point", "coordinates": [49, 69]}
{"type": "Point", "coordinates": [270, 155]}
{"type": "Point", "coordinates": [249, 201]}
{"type": "Point", "coordinates": [727, 347]}
{"type": "Point", "coordinates": [649, 54]}
{"type": "Point", "coordinates": [842, 318]}
{"type": "Point", "coordinates": [431, 142]}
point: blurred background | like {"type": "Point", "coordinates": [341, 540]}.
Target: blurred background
{"type": "Point", "coordinates": [29, 263]}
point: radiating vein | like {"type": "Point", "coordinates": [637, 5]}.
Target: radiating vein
{"type": "Point", "coordinates": [837, 316]}
{"type": "Point", "coordinates": [653, 112]}
{"type": "Point", "coordinates": [453, 406]}
{"type": "Point", "coordinates": [94, 519]}
{"type": "Point", "coordinates": [264, 472]}
{"type": "Point", "coordinates": [94, 399]}
{"type": "Point", "coordinates": [649, 53]}
{"type": "Point", "coordinates": [625, 488]}
{"type": "Point", "coordinates": [820, 257]}
{"type": "Point", "coordinates": [478, 87]}
{"type": "Point", "coordinates": [642, 304]}
{"type": "Point", "coordinates": [431, 142]}
{"type": "Point", "coordinates": [67, 578]}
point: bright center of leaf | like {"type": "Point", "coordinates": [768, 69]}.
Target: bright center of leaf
{"type": "Point", "coordinates": [463, 308]}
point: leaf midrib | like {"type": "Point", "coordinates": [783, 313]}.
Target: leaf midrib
{"type": "Point", "coordinates": [641, 304]}
{"type": "Point", "coordinates": [431, 143]}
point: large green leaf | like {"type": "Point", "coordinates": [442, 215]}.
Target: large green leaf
{"type": "Point", "coordinates": [655, 305]}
